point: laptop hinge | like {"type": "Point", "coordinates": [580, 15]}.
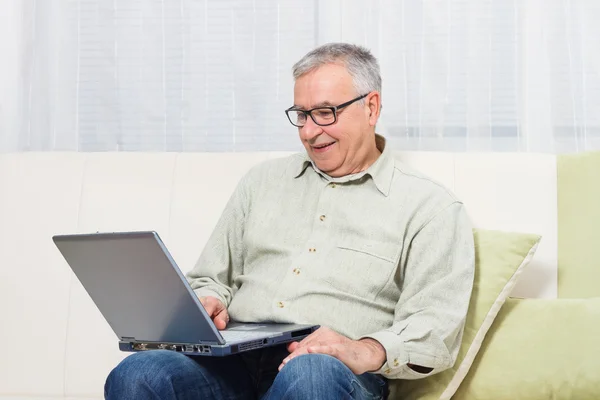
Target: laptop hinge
{"type": "Point", "coordinates": [127, 338]}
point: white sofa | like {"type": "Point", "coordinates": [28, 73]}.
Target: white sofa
{"type": "Point", "coordinates": [56, 344]}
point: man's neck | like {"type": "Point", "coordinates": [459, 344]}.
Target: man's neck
{"type": "Point", "coordinates": [369, 160]}
{"type": "Point", "coordinates": [366, 160]}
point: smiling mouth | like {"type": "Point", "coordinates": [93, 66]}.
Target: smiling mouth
{"type": "Point", "coordinates": [323, 146]}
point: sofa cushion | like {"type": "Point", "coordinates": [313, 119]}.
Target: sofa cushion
{"type": "Point", "coordinates": [500, 257]}
{"type": "Point", "coordinates": [539, 349]}
{"type": "Point", "coordinates": [578, 222]}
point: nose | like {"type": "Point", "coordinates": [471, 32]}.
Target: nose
{"type": "Point", "coordinates": [310, 130]}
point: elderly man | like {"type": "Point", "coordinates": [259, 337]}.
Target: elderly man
{"type": "Point", "coordinates": [343, 236]}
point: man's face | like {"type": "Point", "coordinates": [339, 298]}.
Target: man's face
{"type": "Point", "coordinates": [341, 148]}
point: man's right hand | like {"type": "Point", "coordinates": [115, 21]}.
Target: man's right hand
{"type": "Point", "coordinates": [216, 310]}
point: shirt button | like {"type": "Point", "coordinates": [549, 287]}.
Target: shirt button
{"type": "Point", "coordinates": [332, 185]}
{"type": "Point", "coordinates": [322, 217]}
{"type": "Point", "coordinates": [296, 271]}
{"type": "Point", "coordinates": [387, 371]}
{"type": "Point", "coordinates": [396, 363]}
{"type": "Point", "coordinates": [280, 304]}
{"type": "Point", "coordinates": [312, 250]}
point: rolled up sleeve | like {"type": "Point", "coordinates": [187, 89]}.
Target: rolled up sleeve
{"type": "Point", "coordinates": [436, 284]}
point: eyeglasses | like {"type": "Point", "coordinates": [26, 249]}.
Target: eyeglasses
{"type": "Point", "coordinates": [322, 116]}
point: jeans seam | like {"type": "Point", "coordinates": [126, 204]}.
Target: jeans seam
{"type": "Point", "coordinates": [365, 391]}
{"type": "Point", "coordinates": [352, 389]}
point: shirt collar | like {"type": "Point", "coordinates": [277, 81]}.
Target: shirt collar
{"type": "Point", "coordinates": [381, 171]}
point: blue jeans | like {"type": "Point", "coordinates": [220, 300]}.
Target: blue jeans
{"type": "Point", "coordinates": [163, 374]}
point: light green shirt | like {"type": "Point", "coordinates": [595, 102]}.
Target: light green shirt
{"type": "Point", "coordinates": [385, 253]}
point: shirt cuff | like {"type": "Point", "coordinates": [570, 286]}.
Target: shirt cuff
{"type": "Point", "coordinates": [395, 354]}
{"type": "Point", "coordinates": [398, 358]}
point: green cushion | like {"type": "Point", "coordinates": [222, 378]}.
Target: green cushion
{"type": "Point", "coordinates": [579, 225]}
{"type": "Point", "coordinates": [539, 349]}
{"type": "Point", "coordinates": [500, 258]}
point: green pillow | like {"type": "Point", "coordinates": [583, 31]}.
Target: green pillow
{"type": "Point", "coordinates": [578, 220]}
{"type": "Point", "coordinates": [539, 349]}
{"type": "Point", "coordinates": [500, 257]}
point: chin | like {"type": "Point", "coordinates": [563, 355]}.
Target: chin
{"type": "Point", "coordinates": [326, 166]}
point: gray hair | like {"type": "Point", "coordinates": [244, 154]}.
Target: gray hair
{"type": "Point", "coordinates": [359, 62]}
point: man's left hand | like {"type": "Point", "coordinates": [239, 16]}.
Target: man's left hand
{"type": "Point", "coordinates": [360, 356]}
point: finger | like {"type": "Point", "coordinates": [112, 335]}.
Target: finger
{"type": "Point", "coordinates": [323, 338]}
{"type": "Point", "coordinates": [310, 339]}
{"type": "Point", "coordinates": [203, 301]}
{"type": "Point", "coordinates": [289, 358]}
{"type": "Point", "coordinates": [312, 342]}
{"type": "Point", "coordinates": [323, 349]}
{"type": "Point", "coordinates": [222, 319]}
{"type": "Point", "coordinates": [302, 343]}
{"type": "Point", "coordinates": [209, 305]}
{"type": "Point", "coordinates": [291, 347]}
{"type": "Point", "coordinates": [316, 333]}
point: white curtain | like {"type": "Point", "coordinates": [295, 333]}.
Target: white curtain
{"type": "Point", "coordinates": [214, 75]}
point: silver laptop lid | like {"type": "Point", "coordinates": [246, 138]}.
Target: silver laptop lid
{"type": "Point", "coordinates": [137, 287]}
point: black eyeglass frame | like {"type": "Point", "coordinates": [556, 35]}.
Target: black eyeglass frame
{"type": "Point", "coordinates": [333, 109]}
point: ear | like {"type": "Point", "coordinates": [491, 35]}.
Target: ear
{"type": "Point", "coordinates": [373, 107]}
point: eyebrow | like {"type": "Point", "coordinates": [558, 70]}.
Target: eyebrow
{"type": "Point", "coordinates": [321, 104]}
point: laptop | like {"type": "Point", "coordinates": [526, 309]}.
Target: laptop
{"type": "Point", "coordinates": [147, 301]}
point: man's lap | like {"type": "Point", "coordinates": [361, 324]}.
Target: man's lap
{"type": "Point", "coordinates": [169, 375]}
{"type": "Point", "coordinates": [165, 374]}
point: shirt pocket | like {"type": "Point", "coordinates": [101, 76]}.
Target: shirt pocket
{"type": "Point", "coordinates": [362, 267]}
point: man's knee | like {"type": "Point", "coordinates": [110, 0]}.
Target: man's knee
{"type": "Point", "coordinates": [146, 374]}
{"type": "Point", "coordinates": [316, 373]}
